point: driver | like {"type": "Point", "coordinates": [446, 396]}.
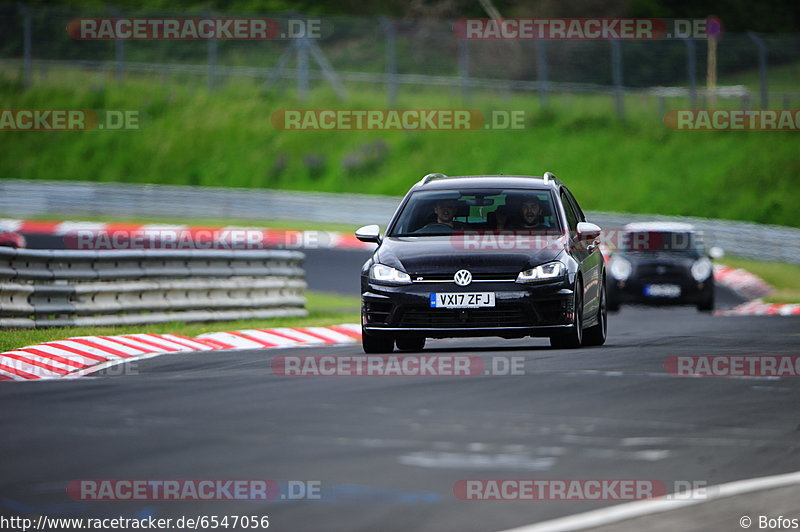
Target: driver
{"type": "Point", "coordinates": [445, 212]}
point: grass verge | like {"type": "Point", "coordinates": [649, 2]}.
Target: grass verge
{"type": "Point", "coordinates": [323, 309]}
{"type": "Point", "coordinates": [784, 278]}
{"type": "Point", "coordinates": [189, 136]}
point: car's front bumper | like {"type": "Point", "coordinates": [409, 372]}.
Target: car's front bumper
{"type": "Point", "coordinates": [520, 310]}
{"type": "Point", "coordinates": [633, 291]}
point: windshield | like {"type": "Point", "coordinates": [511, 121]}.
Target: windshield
{"type": "Point", "coordinates": [687, 242]}
{"type": "Point", "coordinates": [444, 212]}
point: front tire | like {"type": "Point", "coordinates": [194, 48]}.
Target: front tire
{"type": "Point", "coordinates": [596, 334]}
{"type": "Point", "coordinates": [410, 344]}
{"type": "Point", "coordinates": [373, 344]}
{"type": "Point", "coordinates": [707, 304]}
{"type": "Point", "coordinates": [574, 337]}
{"type": "Point", "coordinates": [612, 299]}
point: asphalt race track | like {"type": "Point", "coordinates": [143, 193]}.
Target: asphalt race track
{"type": "Point", "coordinates": [387, 451]}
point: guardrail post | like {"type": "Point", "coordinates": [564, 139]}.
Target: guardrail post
{"type": "Point", "coordinates": [762, 66]}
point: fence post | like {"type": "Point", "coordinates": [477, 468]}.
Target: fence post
{"type": "Point", "coordinates": [616, 75]}
{"type": "Point", "coordinates": [212, 59]}
{"type": "Point", "coordinates": [302, 68]}
{"type": "Point", "coordinates": [691, 65]}
{"type": "Point", "coordinates": [391, 61]}
{"type": "Point", "coordinates": [711, 72]}
{"type": "Point", "coordinates": [541, 71]}
{"type": "Point", "coordinates": [463, 69]}
{"type": "Point", "coordinates": [26, 45]}
{"type": "Point", "coordinates": [762, 66]}
{"type": "Point", "coordinates": [119, 47]}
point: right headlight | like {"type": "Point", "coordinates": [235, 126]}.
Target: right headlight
{"type": "Point", "coordinates": [620, 268]}
{"type": "Point", "coordinates": [382, 274]}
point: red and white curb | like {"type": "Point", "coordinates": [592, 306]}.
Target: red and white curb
{"type": "Point", "coordinates": [100, 235]}
{"type": "Point", "coordinates": [742, 282]}
{"type": "Point", "coordinates": [759, 308]}
{"type": "Point", "coordinates": [753, 288]}
{"type": "Point", "coordinates": [83, 355]}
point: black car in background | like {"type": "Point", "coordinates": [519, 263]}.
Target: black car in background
{"type": "Point", "coordinates": [658, 263]}
{"type": "Point", "coordinates": [508, 256]}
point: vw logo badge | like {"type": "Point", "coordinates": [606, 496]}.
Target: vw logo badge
{"type": "Point", "coordinates": [462, 277]}
{"type": "Point", "coordinates": [661, 270]}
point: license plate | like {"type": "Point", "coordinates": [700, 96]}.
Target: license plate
{"type": "Point", "coordinates": [462, 300]}
{"type": "Point", "coordinates": [662, 290]}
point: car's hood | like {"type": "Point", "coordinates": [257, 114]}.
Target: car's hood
{"type": "Point", "coordinates": [446, 254]}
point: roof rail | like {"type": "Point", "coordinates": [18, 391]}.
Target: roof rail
{"type": "Point", "coordinates": [431, 177]}
{"type": "Point", "coordinates": [548, 176]}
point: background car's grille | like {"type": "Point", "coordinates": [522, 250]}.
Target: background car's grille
{"type": "Point", "coordinates": [661, 270]}
{"type": "Point", "coordinates": [512, 315]}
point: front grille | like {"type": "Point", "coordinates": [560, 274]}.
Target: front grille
{"type": "Point", "coordinates": [505, 316]}
{"type": "Point", "coordinates": [448, 277]}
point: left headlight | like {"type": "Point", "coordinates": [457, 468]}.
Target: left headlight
{"type": "Point", "coordinates": [702, 269]}
{"type": "Point", "coordinates": [544, 272]}
{"type": "Point", "coordinates": [382, 274]}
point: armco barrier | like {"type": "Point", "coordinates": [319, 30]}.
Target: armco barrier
{"type": "Point", "coordinates": [21, 198]}
{"type": "Point", "coordinates": [54, 288]}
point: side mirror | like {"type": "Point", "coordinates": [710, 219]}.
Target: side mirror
{"type": "Point", "coordinates": [588, 231]}
{"type": "Point", "coordinates": [716, 252]}
{"type": "Point", "coordinates": [369, 233]}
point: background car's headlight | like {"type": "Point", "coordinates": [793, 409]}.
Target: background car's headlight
{"type": "Point", "coordinates": [620, 268]}
{"type": "Point", "coordinates": [382, 274]}
{"type": "Point", "coordinates": [544, 272]}
{"type": "Point", "coordinates": [702, 269]}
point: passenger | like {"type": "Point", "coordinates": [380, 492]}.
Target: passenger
{"type": "Point", "coordinates": [533, 214]}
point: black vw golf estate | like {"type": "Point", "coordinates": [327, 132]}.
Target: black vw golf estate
{"type": "Point", "coordinates": [508, 256]}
